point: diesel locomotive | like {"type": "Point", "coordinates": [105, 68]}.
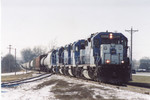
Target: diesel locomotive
{"type": "Point", "coordinates": [101, 57]}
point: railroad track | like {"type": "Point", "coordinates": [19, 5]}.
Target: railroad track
{"type": "Point", "coordinates": [32, 79]}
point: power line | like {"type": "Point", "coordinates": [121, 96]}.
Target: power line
{"type": "Point", "coordinates": [131, 31]}
{"type": "Point", "coordinates": [9, 53]}
{"type": "Point", "coordinates": [15, 61]}
{"type": "Point", "coordinates": [9, 49]}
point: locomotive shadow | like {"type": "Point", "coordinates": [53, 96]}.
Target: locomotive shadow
{"type": "Point", "coordinates": [138, 84]}
{"type": "Point", "coordinates": [144, 85]}
{"type": "Point", "coordinates": [140, 81]}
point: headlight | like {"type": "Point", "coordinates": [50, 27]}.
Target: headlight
{"type": "Point", "coordinates": [122, 62]}
{"type": "Point", "coordinates": [107, 61]}
{"type": "Point", "coordinates": [111, 36]}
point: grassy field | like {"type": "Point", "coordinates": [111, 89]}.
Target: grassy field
{"type": "Point", "coordinates": [15, 77]}
{"type": "Point", "coordinates": [141, 81]}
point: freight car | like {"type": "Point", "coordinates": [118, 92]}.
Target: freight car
{"type": "Point", "coordinates": [102, 57]}
{"type": "Point", "coordinates": [37, 63]}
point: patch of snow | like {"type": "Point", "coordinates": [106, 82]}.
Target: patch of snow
{"type": "Point", "coordinates": [27, 91]}
{"type": "Point", "coordinates": [142, 74]}
{"type": "Point", "coordinates": [13, 73]}
{"type": "Point", "coordinates": [109, 92]}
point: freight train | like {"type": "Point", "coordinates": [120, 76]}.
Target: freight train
{"type": "Point", "coordinates": [101, 57]}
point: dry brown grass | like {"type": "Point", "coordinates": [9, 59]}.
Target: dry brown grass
{"type": "Point", "coordinates": [72, 91]}
{"type": "Point", "coordinates": [141, 81]}
{"type": "Point", "coordinates": [15, 77]}
{"type": "Point", "coordinates": [64, 90]}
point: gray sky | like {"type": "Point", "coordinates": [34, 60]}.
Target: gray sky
{"type": "Point", "coordinates": [28, 23]}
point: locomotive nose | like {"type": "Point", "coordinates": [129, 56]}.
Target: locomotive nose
{"type": "Point", "coordinates": [112, 51]}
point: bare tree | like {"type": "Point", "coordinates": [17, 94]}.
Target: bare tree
{"type": "Point", "coordinates": [28, 54]}
{"type": "Point", "coordinates": [8, 64]}
{"type": "Point", "coordinates": [135, 64]}
{"type": "Point", "coordinates": [145, 63]}
{"type": "Point", "coordinates": [52, 45]}
{"type": "Point", "coordinates": [38, 50]}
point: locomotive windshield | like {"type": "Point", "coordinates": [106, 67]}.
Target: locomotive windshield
{"type": "Point", "coordinates": [82, 45]}
{"type": "Point", "coordinates": [113, 41]}
{"type": "Point", "coordinates": [109, 41]}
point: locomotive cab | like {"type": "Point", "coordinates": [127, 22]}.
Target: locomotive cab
{"type": "Point", "coordinates": [67, 54]}
{"type": "Point", "coordinates": [78, 52]}
{"type": "Point", "coordinates": [110, 48]}
{"type": "Point", "coordinates": [110, 56]}
{"type": "Point", "coordinates": [113, 49]}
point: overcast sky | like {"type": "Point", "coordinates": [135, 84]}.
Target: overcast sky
{"type": "Point", "coordinates": [29, 23]}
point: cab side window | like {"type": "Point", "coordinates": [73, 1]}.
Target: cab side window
{"type": "Point", "coordinates": [83, 45]}
{"type": "Point", "coordinates": [86, 43]}
{"type": "Point", "coordinates": [77, 48]}
{"type": "Point", "coordinates": [96, 43]}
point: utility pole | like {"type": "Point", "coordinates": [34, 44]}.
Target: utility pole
{"type": "Point", "coordinates": [9, 49]}
{"type": "Point", "coordinates": [131, 31]}
{"type": "Point", "coordinates": [15, 62]}
{"type": "Point", "coordinates": [15, 58]}
{"type": "Point", "coordinates": [9, 53]}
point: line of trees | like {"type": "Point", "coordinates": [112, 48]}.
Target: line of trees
{"type": "Point", "coordinates": [143, 63]}
{"type": "Point", "coordinates": [28, 54]}
{"type": "Point", "coordinates": [9, 64]}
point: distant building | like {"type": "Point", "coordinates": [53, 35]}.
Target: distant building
{"type": "Point", "coordinates": [145, 64]}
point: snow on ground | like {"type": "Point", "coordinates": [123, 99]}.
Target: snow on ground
{"type": "Point", "coordinates": [13, 73]}
{"type": "Point", "coordinates": [76, 89]}
{"type": "Point", "coordinates": [112, 92]}
{"type": "Point", "coordinates": [26, 92]}
{"type": "Point", "coordinates": [142, 74]}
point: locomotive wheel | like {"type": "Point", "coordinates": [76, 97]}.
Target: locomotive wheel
{"type": "Point", "coordinates": [70, 71]}
{"type": "Point", "coordinates": [62, 70]}
{"type": "Point", "coordinates": [73, 71]}
{"type": "Point", "coordinates": [85, 73]}
{"type": "Point", "coordinates": [66, 70]}
{"type": "Point", "coordinates": [80, 71]}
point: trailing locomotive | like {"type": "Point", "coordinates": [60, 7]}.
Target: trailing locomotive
{"type": "Point", "coordinates": [102, 57]}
